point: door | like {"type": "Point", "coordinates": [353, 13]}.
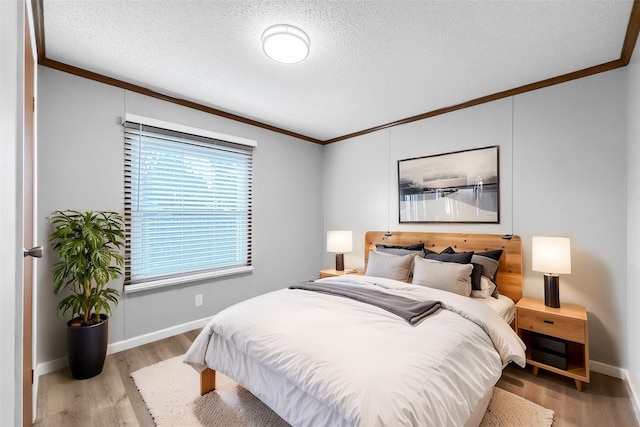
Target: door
{"type": "Point", "coordinates": [28, 208]}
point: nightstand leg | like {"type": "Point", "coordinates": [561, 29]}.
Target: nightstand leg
{"type": "Point", "coordinates": [578, 385]}
{"type": "Point", "coordinates": [535, 370]}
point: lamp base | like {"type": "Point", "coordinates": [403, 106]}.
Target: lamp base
{"type": "Point", "coordinates": [340, 262]}
{"type": "Point", "coordinates": [551, 290]}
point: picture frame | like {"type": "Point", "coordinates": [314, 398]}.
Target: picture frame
{"type": "Point", "coordinates": [456, 187]}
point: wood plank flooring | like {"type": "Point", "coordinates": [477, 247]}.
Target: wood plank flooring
{"type": "Point", "coordinates": [603, 402]}
{"type": "Point", "coordinates": [112, 399]}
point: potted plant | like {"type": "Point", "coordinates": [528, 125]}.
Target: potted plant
{"type": "Point", "coordinates": [88, 245]}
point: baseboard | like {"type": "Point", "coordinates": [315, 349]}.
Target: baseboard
{"type": "Point", "coordinates": [614, 371]}
{"type": "Point", "coordinates": [50, 366]}
{"type": "Point", "coordinates": [634, 395]}
{"type": "Point", "coordinates": [610, 370]}
{"type": "Point", "coordinates": [156, 336]}
{"type": "Point", "coordinates": [54, 365]}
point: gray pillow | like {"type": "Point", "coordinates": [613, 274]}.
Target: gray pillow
{"type": "Point", "coordinates": [415, 247]}
{"type": "Point", "coordinates": [396, 250]}
{"type": "Point", "coordinates": [447, 276]}
{"type": "Point", "coordinates": [489, 265]}
{"type": "Point", "coordinates": [459, 257]}
{"type": "Point", "coordinates": [395, 267]}
{"type": "Point", "coordinates": [489, 270]}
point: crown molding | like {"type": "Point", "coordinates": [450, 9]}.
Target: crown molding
{"type": "Point", "coordinates": [631, 36]}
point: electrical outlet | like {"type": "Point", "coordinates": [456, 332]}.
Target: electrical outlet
{"type": "Point", "coordinates": [198, 300]}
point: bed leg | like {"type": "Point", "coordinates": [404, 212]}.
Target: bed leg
{"type": "Point", "coordinates": [207, 381]}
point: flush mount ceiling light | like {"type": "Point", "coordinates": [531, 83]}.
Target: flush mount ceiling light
{"type": "Point", "coordinates": [285, 43]}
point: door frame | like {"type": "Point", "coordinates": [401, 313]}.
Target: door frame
{"type": "Point", "coordinates": [11, 134]}
{"type": "Point", "coordinates": [28, 215]}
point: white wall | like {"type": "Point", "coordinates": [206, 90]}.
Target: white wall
{"type": "Point", "coordinates": [11, 118]}
{"type": "Point", "coordinates": [633, 229]}
{"type": "Point", "coordinates": [81, 167]}
{"type": "Point", "coordinates": [569, 178]}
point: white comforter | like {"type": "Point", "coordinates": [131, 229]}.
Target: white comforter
{"type": "Point", "coordinates": [363, 365]}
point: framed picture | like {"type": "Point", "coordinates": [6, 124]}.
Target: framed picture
{"type": "Point", "coordinates": [462, 186]}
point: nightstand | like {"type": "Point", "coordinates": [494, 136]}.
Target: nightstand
{"type": "Point", "coordinates": [334, 273]}
{"type": "Point", "coordinates": [555, 337]}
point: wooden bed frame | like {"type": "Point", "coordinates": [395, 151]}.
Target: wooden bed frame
{"type": "Point", "coordinates": [509, 275]}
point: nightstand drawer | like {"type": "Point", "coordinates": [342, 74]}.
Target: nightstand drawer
{"type": "Point", "coordinates": [560, 327]}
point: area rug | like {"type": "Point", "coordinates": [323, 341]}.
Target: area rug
{"type": "Point", "coordinates": [170, 391]}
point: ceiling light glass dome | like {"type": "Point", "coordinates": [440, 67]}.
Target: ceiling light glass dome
{"type": "Point", "coordinates": [285, 43]}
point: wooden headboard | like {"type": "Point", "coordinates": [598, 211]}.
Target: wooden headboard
{"type": "Point", "coordinates": [509, 275]}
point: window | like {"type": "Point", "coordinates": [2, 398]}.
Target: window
{"type": "Point", "coordinates": [188, 196]}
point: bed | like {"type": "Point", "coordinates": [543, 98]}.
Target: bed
{"type": "Point", "coordinates": [318, 359]}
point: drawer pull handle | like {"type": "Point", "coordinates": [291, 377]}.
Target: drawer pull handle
{"type": "Point", "coordinates": [549, 322]}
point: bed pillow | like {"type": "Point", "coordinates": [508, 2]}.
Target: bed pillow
{"type": "Point", "coordinates": [490, 261]}
{"type": "Point", "coordinates": [399, 250]}
{"type": "Point", "coordinates": [489, 265]}
{"type": "Point", "coordinates": [460, 258]}
{"type": "Point", "coordinates": [414, 247]}
{"type": "Point", "coordinates": [476, 275]}
{"type": "Point", "coordinates": [447, 276]}
{"type": "Point", "coordinates": [495, 254]}
{"type": "Point", "coordinates": [449, 255]}
{"type": "Point", "coordinates": [395, 267]}
{"type": "Point", "coordinates": [487, 287]}
{"type": "Point", "coordinates": [448, 250]}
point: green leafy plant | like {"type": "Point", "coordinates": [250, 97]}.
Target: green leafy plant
{"type": "Point", "coordinates": [88, 245]}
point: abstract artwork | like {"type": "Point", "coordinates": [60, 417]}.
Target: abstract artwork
{"type": "Point", "coordinates": [461, 186]}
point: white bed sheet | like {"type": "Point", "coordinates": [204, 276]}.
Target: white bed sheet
{"type": "Point", "coordinates": [503, 305]}
{"type": "Point", "coordinates": [318, 359]}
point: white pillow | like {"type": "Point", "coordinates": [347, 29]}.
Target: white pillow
{"type": "Point", "coordinates": [390, 266]}
{"type": "Point", "coordinates": [448, 276]}
{"type": "Point", "coordinates": [486, 288]}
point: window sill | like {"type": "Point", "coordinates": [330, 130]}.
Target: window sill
{"type": "Point", "coordinates": [156, 284]}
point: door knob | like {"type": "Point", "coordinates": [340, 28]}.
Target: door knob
{"type": "Point", "coordinates": [35, 252]}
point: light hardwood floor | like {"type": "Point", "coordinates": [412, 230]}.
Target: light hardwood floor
{"type": "Point", "coordinates": [111, 399]}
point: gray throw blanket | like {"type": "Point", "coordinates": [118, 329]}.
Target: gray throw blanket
{"type": "Point", "coordinates": [408, 309]}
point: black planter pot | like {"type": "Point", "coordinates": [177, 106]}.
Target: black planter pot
{"type": "Point", "coordinates": [87, 348]}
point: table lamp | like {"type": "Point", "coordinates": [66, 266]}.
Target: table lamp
{"type": "Point", "coordinates": [339, 242]}
{"type": "Point", "coordinates": [552, 256]}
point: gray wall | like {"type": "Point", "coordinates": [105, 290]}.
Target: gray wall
{"type": "Point", "coordinates": [633, 225]}
{"type": "Point", "coordinates": [562, 173]}
{"type": "Point", "coordinates": [563, 170]}
{"type": "Point", "coordinates": [81, 167]}
{"type": "Point", "coordinates": [570, 179]}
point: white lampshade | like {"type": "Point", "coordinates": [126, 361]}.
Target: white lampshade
{"type": "Point", "coordinates": [285, 43]}
{"type": "Point", "coordinates": [551, 255]}
{"type": "Point", "coordinates": [339, 241]}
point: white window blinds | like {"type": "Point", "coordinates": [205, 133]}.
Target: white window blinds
{"type": "Point", "coordinates": [187, 206]}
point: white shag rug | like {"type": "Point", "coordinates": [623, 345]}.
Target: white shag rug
{"type": "Point", "coordinates": [170, 390]}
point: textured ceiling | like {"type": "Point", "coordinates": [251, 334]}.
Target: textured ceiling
{"type": "Point", "coordinates": [371, 62]}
